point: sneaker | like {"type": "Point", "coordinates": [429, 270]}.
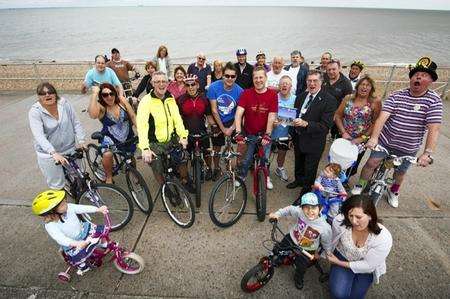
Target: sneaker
{"type": "Point", "coordinates": [392, 198]}
{"type": "Point", "coordinates": [216, 174]}
{"type": "Point", "coordinates": [237, 184]}
{"type": "Point", "coordinates": [281, 173]}
{"type": "Point", "coordinates": [208, 174]}
{"type": "Point", "coordinates": [269, 184]}
{"type": "Point", "coordinates": [357, 189]}
{"type": "Point", "coordinates": [83, 268]}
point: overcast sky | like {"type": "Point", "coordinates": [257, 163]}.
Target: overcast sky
{"type": "Point", "coordinates": [402, 4]}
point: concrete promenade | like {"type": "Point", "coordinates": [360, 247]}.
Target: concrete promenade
{"type": "Point", "coordinates": [205, 261]}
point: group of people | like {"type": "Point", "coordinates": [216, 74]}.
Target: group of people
{"type": "Point", "coordinates": [241, 101]}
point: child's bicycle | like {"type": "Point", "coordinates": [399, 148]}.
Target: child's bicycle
{"type": "Point", "coordinates": [258, 276]}
{"type": "Point", "coordinates": [123, 162]}
{"type": "Point", "coordinates": [382, 177]}
{"type": "Point", "coordinates": [229, 194]}
{"type": "Point", "coordinates": [125, 261]}
{"type": "Point", "coordinates": [326, 199]}
{"type": "Point", "coordinates": [86, 191]}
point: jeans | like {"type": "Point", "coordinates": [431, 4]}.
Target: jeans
{"type": "Point", "coordinates": [344, 283]}
{"type": "Point", "coordinates": [251, 146]}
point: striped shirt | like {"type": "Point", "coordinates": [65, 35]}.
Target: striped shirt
{"type": "Point", "coordinates": [407, 124]}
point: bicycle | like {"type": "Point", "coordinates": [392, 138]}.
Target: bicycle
{"type": "Point", "coordinates": [123, 162]}
{"type": "Point", "coordinates": [125, 261]}
{"type": "Point", "coordinates": [84, 191]}
{"type": "Point", "coordinates": [382, 177]}
{"type": "Point", "coordinates": [198, 165]}
{"type": "Point", "coordinates": [175, 198]}
{"type": "Point", "coordinates": [226, 205]}
{"type": "Point", "coordinates": [259, 275]}
{"type": "Point", "coordinates": [260, 173]}
{"type": "Point", "coordinates": [326, 199]}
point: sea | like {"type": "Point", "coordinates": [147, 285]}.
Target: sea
{"type": "Point", "coordinates": [374, 36]}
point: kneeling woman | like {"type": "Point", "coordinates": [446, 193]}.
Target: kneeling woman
{"type": "Point", "coordinates": [361, 245]}
{"type": "Point", "coordinates": [117, 117]}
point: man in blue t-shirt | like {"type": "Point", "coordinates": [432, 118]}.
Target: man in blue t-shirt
{"type": "Point", "coordinates": [101, 74]}
{"type": "Point", "coordinates": [287, 100]}
{"type": "Point", "coordinates": [223, 95]}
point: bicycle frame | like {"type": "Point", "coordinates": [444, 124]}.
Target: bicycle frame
{"type": "Point", "coordinates": [260, 164]}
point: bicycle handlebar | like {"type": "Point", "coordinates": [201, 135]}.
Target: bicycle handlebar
{"type": "Point", "coordinates": [411, 159]}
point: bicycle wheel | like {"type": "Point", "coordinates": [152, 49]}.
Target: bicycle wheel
{"type": "Point", "coordinates": [375, 193]}
{"type": "Point", "coordinates": [256, 277]}
{"type": "Point", "coordinates": [118, 202]}
{"type": "Point", "coordinates": [227, 202]}
{"type": "Point", "coordinates": [178, 204]}
{"type": "Point", "coordinates": [261, 196]}
{"type": "Point", "coordinates": [139, 190]}
{"type": "Point", "coordinates": [197, 173]}
{"type": "Point", "coordinates": [130, 263]}
{"type": "Point", "coordinates": [94, 158]}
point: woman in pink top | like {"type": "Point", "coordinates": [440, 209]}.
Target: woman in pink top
{"type": "Point", "coordinates": [176, 87]}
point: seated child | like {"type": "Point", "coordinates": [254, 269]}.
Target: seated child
{"type": "Point", "coordinates": [63, 225]}
{"type": "Point", "coordinates": [309, 232]}
{"type": "Point", "coordinates": [329, 181]}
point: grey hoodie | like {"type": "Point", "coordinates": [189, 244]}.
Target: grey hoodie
{"type": "Point", "coordinates": [308, 234]}
{"type": "Point", "coordinates": [51, 134]}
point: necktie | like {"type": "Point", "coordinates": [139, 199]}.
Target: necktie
{"type": "Point", "coordinates": [306, 105]}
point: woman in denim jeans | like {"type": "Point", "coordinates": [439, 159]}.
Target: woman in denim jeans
{"type": "Point", "coordinates": [361, 245]}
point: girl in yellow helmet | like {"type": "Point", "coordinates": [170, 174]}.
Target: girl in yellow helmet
{"type": "Point", "coordinates": [63, 225]}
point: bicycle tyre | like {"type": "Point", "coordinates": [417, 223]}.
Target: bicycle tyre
{"type": "Point", "coordinates": [227, 182]}
{"type": "Point", "coordinates": [258, 273]}
{"type": "Point", "coordinates": [178, 203]}
{"type": "Point", "coordinates": [119, 204]}
{"type": "Point", "coordinates": [124, 266]}
{"type": "Point", "coordinates": [197, 173]}
{"type": "Point", "coordinates": [375, 195]}
{"type": "Point", "coordinates": [261, 197]}
{"type": "Point", "coordinates": [140, 193]}
{"type": "Point", "coordinates": [94, 159]}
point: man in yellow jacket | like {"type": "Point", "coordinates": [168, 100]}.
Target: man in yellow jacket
{"type": "Point", "coordinates": [158, 120]}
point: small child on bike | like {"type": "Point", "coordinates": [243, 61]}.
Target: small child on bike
{"type": "Point", "coordinates": [329, 182]}
{"type": "Point", "coordinates": [309, 233]}
{"type": "Point", "coordinates": [63, 225]}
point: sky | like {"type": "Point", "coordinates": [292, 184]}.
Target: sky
{"type": "Point", "coordinates": [394, 4]}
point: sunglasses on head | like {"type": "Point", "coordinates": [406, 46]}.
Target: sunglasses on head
{"type": "Point", "coordinates": [43, 93]}
{"type": "Point", "coordinates": [108, 94]}
{"type": "Point", "coordinates": [229, 76]}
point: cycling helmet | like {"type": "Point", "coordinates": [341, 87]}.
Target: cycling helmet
{"type": "Point", "coordinates": [241, 51]}
{"type": "Point", "coordinates": [47, 200]}
{"type": "Point", "coordinates": [310, 199]}
{"type": "Point", "coordinates": [260, 53]}
{"type": "Point", "coordinates": [190, 79]}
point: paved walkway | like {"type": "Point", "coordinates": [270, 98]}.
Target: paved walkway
{"type": "Point", "coordinates": [205, 261]}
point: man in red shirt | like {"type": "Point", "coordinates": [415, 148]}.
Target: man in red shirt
{"type": "Point", "coordinates": [259, 107]}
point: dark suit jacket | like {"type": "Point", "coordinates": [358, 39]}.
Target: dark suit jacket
{"type": "Point", "coordinates": [319, 116]}
{"type": "Point", "coordinates": [301, 77]}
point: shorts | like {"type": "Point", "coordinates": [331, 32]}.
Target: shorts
{"type": "Point", "coordinates": [160, 149]}
{"type": "Point", "coordinates": [219, 140]}
{"type": "Point", "coordinates": [108, 141]}
{"type": "Point", "coordinates": [204, 145]}
{"type": "Point", "coordinates": [280, 145]}
{"type": "Point", "coordinates": [403, 168]}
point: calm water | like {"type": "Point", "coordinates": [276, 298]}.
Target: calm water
{"type": "Point", "coordinates": [374, 36]}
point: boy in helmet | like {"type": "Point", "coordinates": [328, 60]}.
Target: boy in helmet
{"type": "Point", "coordinates": [309, 232]}
{"type": "Point", "coordinates": [64, 226]}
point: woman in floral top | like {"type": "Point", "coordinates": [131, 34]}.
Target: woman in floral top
{"type": "Point", "coordinates": [356, 115]}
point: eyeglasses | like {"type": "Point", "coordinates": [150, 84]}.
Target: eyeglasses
{"type": "Point", "coordinates": [229, 76]}
{"type": "Point", "coordinates": [160, 82]}
{"type": "Point", "coordinates": [44, 93]}
{"type": "Point", "coordinates": [190, 84]}
{"type": "Point", "coordinates": [201, 58]}
{"type": "Point", "coordinates": [108, 94]}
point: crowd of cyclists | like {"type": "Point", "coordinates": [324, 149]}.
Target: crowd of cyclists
{"type": "Point", "coordinates": [242, 101]}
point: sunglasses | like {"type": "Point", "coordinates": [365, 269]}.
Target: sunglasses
{"type": "Point", "coordinates": [201, 58]}
{"type": "Point", "coordinates": [108, 94]}
{"type": "Point", "coordinates": [190, 84]}
{"type": "Point", "coordinates": [229, 76]}
{"type": "Point", "coordinates": [44, 93]}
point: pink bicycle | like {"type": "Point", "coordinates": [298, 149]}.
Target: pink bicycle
{"type": "Point", "coordinates": [125, 261]}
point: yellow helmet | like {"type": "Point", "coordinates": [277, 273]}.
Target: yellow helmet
{"type": "Point", "coordinates": [47, 200]}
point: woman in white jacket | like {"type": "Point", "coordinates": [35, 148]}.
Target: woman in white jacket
{"type": "Point", "coordinates": [361, 245]}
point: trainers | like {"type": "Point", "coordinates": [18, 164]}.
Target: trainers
{"type": "Point", "coordinates": [83, 268]}
{"type": "Point", "coordinates": [216, 174]}
{"type": "Point", "coordinates": [269, 184]}
{"type": "Point", "coordinates": [392, 198]}
{"type": "Point", "coordinates": [281, 173]}
{"type": "Point", "coordinates": [208, 174]}
{"type": "Point", "coordinates": [357, 189]}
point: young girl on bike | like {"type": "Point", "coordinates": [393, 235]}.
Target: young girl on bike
{"type": "Point", "coordinates": [310, 232]}
{"type": "Point", "coordinates": [63, 225]}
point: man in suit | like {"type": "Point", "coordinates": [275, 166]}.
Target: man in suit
{"type": "Point", "coordinates": [315, 110]}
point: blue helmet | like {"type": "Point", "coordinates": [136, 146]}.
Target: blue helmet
{"type": "Point", "coordinates": [241, 51]}
{"type": "Point", "coordinates": [310, 199]}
